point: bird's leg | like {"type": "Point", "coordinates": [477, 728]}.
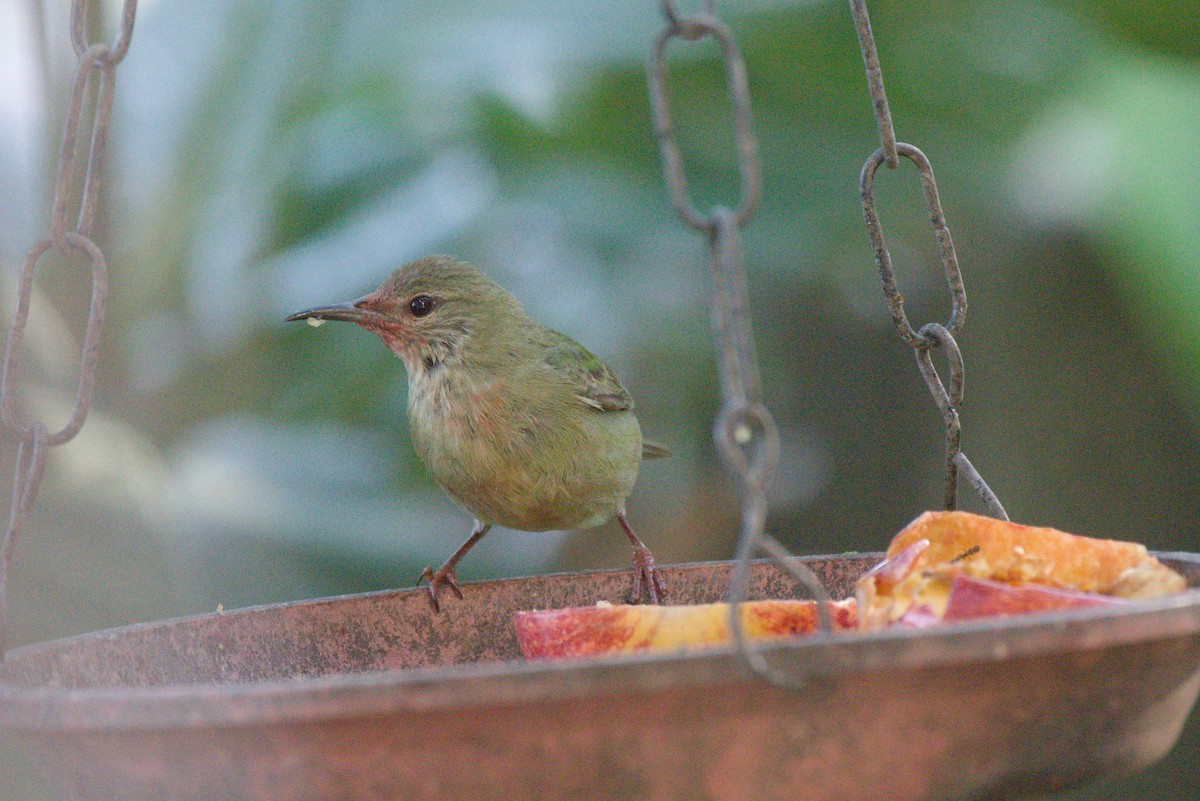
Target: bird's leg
{"type": "Point", "coordinates": [646, 581]}
{"type": "Point", "coordinates": [445, 573]}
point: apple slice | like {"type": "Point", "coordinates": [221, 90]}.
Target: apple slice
{"type": "Point", "coordinates": [975, 597]}
{"type": "Point", "coordinates": [970, 598]}
{"type": "Point", "coordinates": [610, 629]}
{"type": "Point", "coordinates": [938, 548]}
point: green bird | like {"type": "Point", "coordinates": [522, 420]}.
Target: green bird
{"type": "Point", "coordinates": [519, 424]}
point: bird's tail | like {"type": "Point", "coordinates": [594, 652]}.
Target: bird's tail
{"type": "Point", "coordinates": [652, 450]}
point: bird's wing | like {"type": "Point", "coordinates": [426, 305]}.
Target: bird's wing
{"type": "Point", "coordinates": [592, 380]}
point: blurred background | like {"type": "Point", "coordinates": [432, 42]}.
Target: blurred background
{"type": "Point", "coordinates": [268, 156]}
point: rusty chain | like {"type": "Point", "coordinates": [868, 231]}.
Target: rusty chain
{"type": "Point", "coordinates": [97, 63]}
{"type": "Point", "coordinates": [934, 335]}
{"type": "Point", "coordinates": [745, 433]}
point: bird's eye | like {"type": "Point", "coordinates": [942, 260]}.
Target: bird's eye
{"type": "Point", "coordinates": [421, 305]}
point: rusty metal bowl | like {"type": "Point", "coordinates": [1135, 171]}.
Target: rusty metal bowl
{"type": "Point", "coordinates": [373, 697]}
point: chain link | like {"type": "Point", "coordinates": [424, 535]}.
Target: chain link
{"type": "Point", "coordinates": [96, 61]}
{"type": "Point", "coordinates": [693, 29]}
{"type": "Point", "coordinates": [31, 465]}
{"type": "Point", "coordinates": [91, 340]}
{"type": "Point", "coordinates": [946, 401]}
{"type": "Point", "coordinates": [675, 21]}
{"type": "Point", "coordinates": [116, 53]}
{"type": "Point", "coordinates": [745, 433]}
{"type": "Point", "coordinates": [933, 335]}
{"type": "Point", "coordinates": [937, 220]}
{"type": "Point", "coordinates": [883, 114]}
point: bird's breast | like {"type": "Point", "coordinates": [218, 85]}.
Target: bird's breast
{"type": "Point", "coordinates": [453, 411]}
{"type": "Point", "coordinates": [522, 459]}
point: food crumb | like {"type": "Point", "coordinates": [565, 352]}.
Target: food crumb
{"type": "Point", "coordinates": [315, 322]}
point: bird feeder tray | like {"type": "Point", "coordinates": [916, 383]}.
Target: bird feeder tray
{"type": "Point", "coordinates": [372, 696]}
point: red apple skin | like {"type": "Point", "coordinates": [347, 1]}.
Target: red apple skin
{"type": "Point", "coordinates": [971, 598]}
{"type": "Point", "coordinates": [574, 631]}
{"type": "Point", "coordinates": [607, 629]}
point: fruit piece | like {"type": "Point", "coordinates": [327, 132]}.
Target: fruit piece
{"type": "Point", "coordinates": [974, 598]}
{"type": "Point", "coordinates": [969, 598]}
{"type": "Point", "coordinates": [924, 560]}
{"type": "Point", "coordinates": [609, 629]}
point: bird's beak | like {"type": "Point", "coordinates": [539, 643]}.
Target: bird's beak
{"type": "Point", "coordinates": [349, 312]}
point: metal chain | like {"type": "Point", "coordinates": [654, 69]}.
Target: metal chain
{"type": "Point", "coordinates": [933, 335]}
{"type": "Point", "coordinates": [745, 432]}
{"type": "Point", "coordinates": [96, 63]}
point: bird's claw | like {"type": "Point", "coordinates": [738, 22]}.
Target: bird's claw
{"type": "Point", "coordinates": [648, 583]}
{"type": "Point", "coordinates": [436, 579]}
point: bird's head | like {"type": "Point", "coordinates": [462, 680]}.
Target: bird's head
{"type": "Point", "coordinates": [429, 311]}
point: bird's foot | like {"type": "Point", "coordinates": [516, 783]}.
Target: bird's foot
{"type": "Point", "coordinates": [647, 582]}
{"type": "Point", "coordinates": [436, 578]}
{"type": "Point", "coordinates": [445, 573]}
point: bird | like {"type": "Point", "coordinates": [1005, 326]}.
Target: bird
{"type": "Point", "coordinates": [520, 425]}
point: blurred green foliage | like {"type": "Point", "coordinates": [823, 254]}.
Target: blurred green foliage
{"type": "Point", "coordinates": [268, 156]}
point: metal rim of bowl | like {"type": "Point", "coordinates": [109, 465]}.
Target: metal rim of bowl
{"type": "Point", "coordinates": [339, 695]}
